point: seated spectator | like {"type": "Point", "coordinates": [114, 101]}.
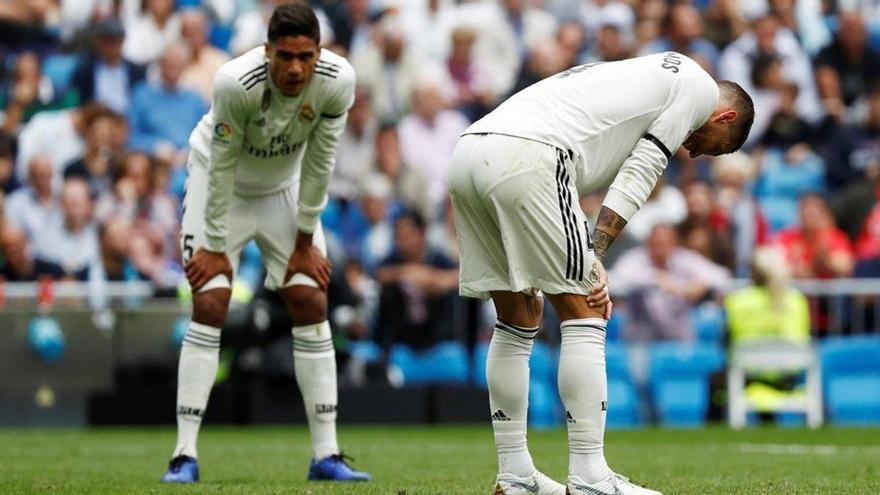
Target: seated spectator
{"type": "Point", "coordinates": [705, 229]}
{"type": "Point", "coordinates": [428, 137]}
{"type": "Point", "coordinates": [665, 204]}
{"type": "Point", "coordinates": [612, 44]}
{"type": "Point", "coordinates": [785, 176]}
{"type": "Point", "coordinates": [95, 166]}
{"type": "Point", "coordinates": [474, 94]}
{"type": "Point", "coordinates": [205, 59]}
{"type": "Point", "coordinates": [60, 135]}
{"type": "Point", "coordinates": [28, 92]}
{"type": "Point", "coordinates": [367, 229]}
{"type": "Point", "coordinates": [816, 248]}
{"type": "Point", "coordinates": [851, 149]}
{"type": "Point", "coordinates": [31, 206]}
{"type": "Point", "coordinates": [418, 289]}
{"type": "Point", "coordinates": [544, 60]}
{"type": "Point", "coordinates": [664, 282]}
{"type": "Point", "coordinates": [356, 151]}
{"type": "Point", "coordinates": [848, 67]}
{"type": "Point", "coordinates": [683, 33]}
{"type": "Point", "coordinates": [16, 261]}
{"type": "Point", "coordinates": [115, 237]}
{"type": "Point", "coordinates": [8, 180]}
{"type": "Point", "coordinates": [409, 182]}
{"type": "Point", "coordinates": [151, 33]}
{"type": "Point", "coordinates": [67, 247]}
{"type": "Point", "coordinates": [164, 114]}
{"type": "Point", "coordinates": [104, 75]}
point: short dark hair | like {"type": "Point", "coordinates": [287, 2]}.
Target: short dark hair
{"type": "Point", "coordinates": [740, 101]}
{"type": "Point", "coordinates": [412, 216]}
{"type": "Point", "coordinates": [294, 19]}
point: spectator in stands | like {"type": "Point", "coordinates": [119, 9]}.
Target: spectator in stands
{"type": "Point", "coordinates": [367, 227]}
{"type": "Point", "coordinates": [611, 44]}
{"type": "Point", "coordinates": [8, 180]}
{"type": "Point", "coordinates": [31, 206]}
{"type": "Point", "coordinates": [665, 205]}
{"type": "Point", "coordinates": [67, 246]}
{"type": "Point", "coordinates": [105, 75]}
{"type": "Point", "coordinates": [418, 289]}
{"type": "Point", "coordinates": [598, 13]}
{"type": "Point", "coordinates": [151, 33]}
{"type": "Point", "coordinates": [95, 166]}
{"type": "Point", "coordinates": [356, 151]}
{"type": "Point", "coordinates": [389, 69]}
{"type": "Point", "coordinates": [23, 24]}
{"type": "Point", "coordinates": [205, 59]}
{"type": "Point", "coordinates": [704, 229]}
{"type": "Point", "coordinates": [28, 93]}
{"type": "Point", "coordinates": [664, 282]}
{"type": "Point", "coordinates": [60, 135]}
{"type": "Point", "coordinates": [430, 25]}
{"type": "Point", "coordinates": [351, 23]}
{"type": "Point", "coordinates": [851, 149]}
{"type": "Point", "coordinates": [572, 39]}
{"type": "Point", "coordinates": [16, 262]}
{"type": "Point", "coordinates": [683, 33]}
{"type": "Point", "coordinates": [164, 114]}
{"type": "Point", "coordinates": [738, 209]}
{"type": "Point", "coordinates": [816, 248]}
{"type": "Point", "coordinates": [474, 94]}
{"type": "Point", "coordinates": [544, 60]}
{"type": "Point", "coordinates": [428, 137]}
{"type": "Point", "coordinates": [115, 237]}
{"type": "Point", "coordinates": [848, 68]}
{"type": "Point", "coordinates": [409, 182]}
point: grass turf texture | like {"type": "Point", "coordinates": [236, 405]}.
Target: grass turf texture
{"type": "Point", "coordinates": [441, 460]}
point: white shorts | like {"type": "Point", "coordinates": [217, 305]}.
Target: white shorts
{"type": "Point", "coordinates": [269, 219]}
{"type": "Point", "coordinates": [518, 218]}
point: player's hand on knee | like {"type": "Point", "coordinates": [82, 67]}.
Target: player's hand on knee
{"type": "Point", "coordinates": [205, 265]}
{"type": "Point", "coordinates": [600, 295]}
{"type": "Point", "coordinates": [309, 261]}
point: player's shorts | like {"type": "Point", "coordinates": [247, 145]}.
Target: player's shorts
{"type": "Point", "coordinates": [269, 219]}
{"type": "Point", "coordinates": [518, 218]}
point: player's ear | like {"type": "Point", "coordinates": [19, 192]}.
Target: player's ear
{"type": "Point", "coordinates": [727, 116]}
{"type": "Point", "coordinates": [270, 50]}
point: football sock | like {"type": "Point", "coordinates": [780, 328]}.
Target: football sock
{"type": "Point", "coordinates": [314, 361]}
{"type": "Point", "coordinates": [507, 373]}
{"type": "Point", "coordinates": [584, 392]}
{"type": "Point", "coordinates": [199, 355]}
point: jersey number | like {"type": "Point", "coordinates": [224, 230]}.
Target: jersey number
{"type": "Point", "coordinates": [187, 248]}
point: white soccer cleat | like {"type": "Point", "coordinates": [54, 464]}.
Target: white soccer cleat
{"type": "Point", "coordinates": [536, 484]}
{"type": "Point", "coordinates": [614, 484]}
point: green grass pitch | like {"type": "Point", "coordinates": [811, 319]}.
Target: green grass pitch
{"type": "Point", "coordinates": [439, 460]}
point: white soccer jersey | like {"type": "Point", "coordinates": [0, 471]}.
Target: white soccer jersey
{"type": "Point", "coordinates": [256, 141]}
{"type": "Point", "coordinates": [620, 120]}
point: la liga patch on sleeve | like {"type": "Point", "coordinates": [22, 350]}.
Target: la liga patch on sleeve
{"type": "Point", "coordinates": [223, 133]}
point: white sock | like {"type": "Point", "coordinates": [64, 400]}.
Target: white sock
{"type": "Point", "coordinates": [314, 361]}
{"type": "Point", "coordinates": [507, 372]}
{"type": "Point", "coordinates": [196, 373]}
{"type": "Point", "coordinates": [584, 390]}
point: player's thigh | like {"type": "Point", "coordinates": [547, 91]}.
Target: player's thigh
{"type": "Point", "coordinates": [276, 238]}
{"type": "Point", "coordinates": [574, 307]}
{"type": "Point", "coordinates": [240, 221]}
{"type": "Point", "coordinates": [544, 231]}
{"type": "Point", "coordinates": [519, 308]}
{"type": "Point", "coordinates": [482, 262]}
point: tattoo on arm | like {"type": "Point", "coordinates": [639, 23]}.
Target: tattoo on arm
{"type": "Point", "coordinates": [608, 227]}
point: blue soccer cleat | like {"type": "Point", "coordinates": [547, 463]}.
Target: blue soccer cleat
{"type": "Point", "coordinates": [182, 469]}
{"type": "Point", "coordinates": [335, 468]}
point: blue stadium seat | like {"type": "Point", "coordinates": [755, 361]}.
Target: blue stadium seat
{"type": "Point", "coordinates": [365, 350]}
{"type": "Point", "coordinates": [615, 326]}
{"type": "Point", "coordinates": [446, 362]}
{"type": "Point", "coordinates": [708, 319]}
{"type": "Point", "coordinates": [679, 378]}
{"type": "Point", "coordinates": [478, 370]}
{"type": "Point", "coordinates": [59, 69]}
{"type": "Point", "coordinates": [851, 379]}
{"type": "Point", "coordinates": [623, 398]}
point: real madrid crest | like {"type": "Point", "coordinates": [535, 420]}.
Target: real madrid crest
{"type": "Point", "coordinates": [306, 113]}
{"type": "Point", "coordinates": [267, 99]}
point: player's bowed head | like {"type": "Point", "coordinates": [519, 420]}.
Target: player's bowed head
{"type": "Point", "coordinates": [293, 47]}
{"type": "Point", "coordinates": [727, 127]}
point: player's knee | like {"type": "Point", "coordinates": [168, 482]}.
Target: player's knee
{"type": "Point", "coordinates": [211, 307]}
{"type": "Point", "coordinates": [307, 305]}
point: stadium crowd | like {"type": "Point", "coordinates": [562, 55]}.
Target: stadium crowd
{"type": "Point", "coordinates": [98, 98]}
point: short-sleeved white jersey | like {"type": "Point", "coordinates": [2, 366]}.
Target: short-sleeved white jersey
{"type": "Point", "coordinates": [256, 141]}
{"type": "Point", "coordinates": [620, 120]}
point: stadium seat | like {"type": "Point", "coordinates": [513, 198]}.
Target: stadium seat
{"type": "Point", "coordinates": [708, 321]}
{"type": "Point", "coordinates": [59, 69]}
{"type": "Point", "coordinates": [365, 350]}
{"type": "Point", "coordinates": [478, 370]}
{"type": "Point", "coordinates": [851, 379]}
{"type": "Point", "coordinates": [679, 381]}
{"type": "Point", "coordinates": [446, 362]}
{"type": "Point", "coordinates": [614, 327]}
{"type": "Point", "coordinates": [623, 399]}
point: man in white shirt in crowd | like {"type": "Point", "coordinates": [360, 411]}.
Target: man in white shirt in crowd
{"type": "Point", "coordinates": [515, 179]}
{"type": "Point", "coordinates": [259, 168]}
{"type": "Point", "coordinates": [30, 207]}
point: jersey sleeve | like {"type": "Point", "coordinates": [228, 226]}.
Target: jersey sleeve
{"type": "Point", "coordinates": [319, 156]}
{"type": "Point", "coordinates": [690, 103]}
{"type": "Point", "coordinates": [230, 117]}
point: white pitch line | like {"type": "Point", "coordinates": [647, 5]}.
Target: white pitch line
{"type": "Point", "coordinates": [804, 449]}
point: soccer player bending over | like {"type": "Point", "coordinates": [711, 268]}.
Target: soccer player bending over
{"type": "Point", "coordinates": [515, 180]}
{"type": "Point", "coordinates": [260, 163]}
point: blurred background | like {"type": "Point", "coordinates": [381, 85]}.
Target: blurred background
{"type": "Point", "coordinates": [746, 290]}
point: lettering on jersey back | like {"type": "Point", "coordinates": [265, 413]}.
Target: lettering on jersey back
{"type": "Point", "coordinates": [671, 61]}
{"type": "Point", "coordinates": [577, 69]}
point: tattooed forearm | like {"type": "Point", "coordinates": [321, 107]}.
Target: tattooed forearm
{"type": "Point", "coordinates": [608, 227]}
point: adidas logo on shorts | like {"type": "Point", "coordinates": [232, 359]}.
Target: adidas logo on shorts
{"type": "Point", "coordinates": [568, 417]}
